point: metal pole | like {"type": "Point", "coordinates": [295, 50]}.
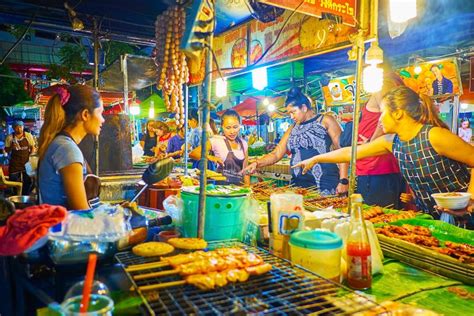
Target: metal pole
{"type": "Point", "coordinates": [186, 112]}
{"type": "Point", "coordinates": [359, 49]}
{"type": "Point", "coordinates": [206, 99]}
{"type": "Point", "coordinates": [125, 84]}
{"type": "Point", "coordinates": [96, 86]}
{"type": "Point", "coordinates": [454, 119]}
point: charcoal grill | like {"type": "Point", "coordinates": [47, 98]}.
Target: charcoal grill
{"type": "Point", "coordinates": [286, 290]}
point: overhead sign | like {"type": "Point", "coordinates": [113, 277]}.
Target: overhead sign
{"type": "Point", "coordinates": [345, 9]}
{"type": "Point", "coordinates": [302, 35]}
{"type": "Point", "coordinates": [340, 91]}
{"type": "Point", "coordinates": [433, 78]}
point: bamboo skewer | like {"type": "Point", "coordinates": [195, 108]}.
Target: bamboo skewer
{"type": "Point", "coordinates": [155, 274]}
{"type": "Point", "coordinates": [144, 266]}
{"type": "Point", "coordinates": [161, 285]}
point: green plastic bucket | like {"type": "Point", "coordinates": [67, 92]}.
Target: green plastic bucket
{"type": "Point", "coordinates": [223, 216]}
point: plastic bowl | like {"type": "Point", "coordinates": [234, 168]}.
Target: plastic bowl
{"type": "Point", "coordinates": [453, 200]}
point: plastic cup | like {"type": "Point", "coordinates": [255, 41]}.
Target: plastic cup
{"type": "Point", "coordinates": [98, 305]}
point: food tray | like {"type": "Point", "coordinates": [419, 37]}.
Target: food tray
{"type": "Point", "coordinates": [286, 290]}
{"type": "Point", "coordinates": [427, 259]}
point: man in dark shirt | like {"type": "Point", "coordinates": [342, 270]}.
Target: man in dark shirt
{"type": "Point", "coordinates": [20, 144]}
{"type": "Point", "coordinates": [441, 85]}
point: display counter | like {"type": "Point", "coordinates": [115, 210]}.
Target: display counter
{"type": "Point", "coordinates": [400, 283]}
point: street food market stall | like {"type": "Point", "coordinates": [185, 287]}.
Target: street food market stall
{"type": "Point", "coordinates": [432, 259]}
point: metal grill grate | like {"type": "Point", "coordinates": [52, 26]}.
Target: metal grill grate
{"type": "Point", "coordinates": [285, 290]}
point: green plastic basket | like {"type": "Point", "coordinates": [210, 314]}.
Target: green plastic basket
{"type": "Point", "coordinates": [223, 218]}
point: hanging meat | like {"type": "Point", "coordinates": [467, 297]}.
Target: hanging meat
{"type": "Point", "coordinates": [171, 62]}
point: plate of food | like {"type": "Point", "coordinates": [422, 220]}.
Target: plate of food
{"type": "Point", "coordinates": [452, 200]}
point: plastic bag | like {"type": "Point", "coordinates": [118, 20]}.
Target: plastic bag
{"type": "Point", "coordinates": [137, 153]}
{"type": "Point", "coordinates": [105, 223]}
{"type": "Point", "coordinates": [32, 165]}
{"type": "Point", "coordinates": [254, 217]}
{"type": "Point", "coordinates": [174, 206]}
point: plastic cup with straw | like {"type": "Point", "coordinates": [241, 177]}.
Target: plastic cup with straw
{"type": "Point", "coordinates": [86, 292]}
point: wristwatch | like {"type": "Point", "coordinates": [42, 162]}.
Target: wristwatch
{"type": "Point", "coordinates": [344, 181]}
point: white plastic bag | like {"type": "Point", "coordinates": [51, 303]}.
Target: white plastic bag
{"type": "Point", "coordinates": [137, 153]}
{"type": "Point", "coordinates": [174, 206]}
{"type": "Point", "coordinates": [105, 223]}
{"type": "Point", "coordinates": [32, 165]}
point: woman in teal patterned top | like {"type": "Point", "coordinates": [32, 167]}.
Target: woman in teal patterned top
{"type": "Point", "coordinates": [431, 158]}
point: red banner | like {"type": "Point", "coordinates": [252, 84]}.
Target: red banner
{"type": "Point", "coordinates": [346, 9]}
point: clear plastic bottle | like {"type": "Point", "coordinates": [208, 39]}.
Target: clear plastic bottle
{"type": "Point", "coordinates": [359, 263]}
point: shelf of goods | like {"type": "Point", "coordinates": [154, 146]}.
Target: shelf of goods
{"type": "Point", "coordinates": [285, 290]}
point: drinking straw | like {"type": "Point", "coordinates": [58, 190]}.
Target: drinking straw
{"type": "Point", "coordinates": [86, 291]}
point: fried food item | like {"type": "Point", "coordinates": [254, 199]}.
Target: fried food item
{"type": "Point", "coordinates": [237, 275]}
{"type": "Point", "coordinates": [372, 212]}
{"type": "Point", "coordinates": [152, 249]}
{"type": "Point", "coordinates": [188, 243]}
{"type": "Point", "coordinates": [201, 281]}
{"type": "Point", "coordinates": [387, 218]}
{"type": "Point", "coordinates": [260, 269]}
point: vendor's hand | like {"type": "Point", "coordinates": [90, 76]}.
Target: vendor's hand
{"type": "Point", "coordinates": [467, 210]}
{"type": "Point", "coordinates": [250, 169]}
{"type": "Point", "coordinates": [342, 188]}
{"type": "Point", "coordinates": [306, 165]}
{"type": "Point", "coordinates": [406, 197]}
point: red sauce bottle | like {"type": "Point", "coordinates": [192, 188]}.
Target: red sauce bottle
{"type": "Point", "coordinates": [359, 261]}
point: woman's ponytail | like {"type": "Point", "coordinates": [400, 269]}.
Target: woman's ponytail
{"type": "Point", "coordinates": [429, 115]}
{"type": "Point", "coordinates": [54, 122]}
{"type": "Point", "coordinates": [418, 107]}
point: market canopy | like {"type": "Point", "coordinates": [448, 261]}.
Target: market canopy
{"type": "Point", "coordinates": [253, 107]}
{"type": "Point", "coordinates": [24, 110]}
{"type": "Point", "coordinates": [141, 73]}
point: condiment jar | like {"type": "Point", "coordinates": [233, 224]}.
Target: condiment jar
{"type": "Point", "coordinates": [318, 251]}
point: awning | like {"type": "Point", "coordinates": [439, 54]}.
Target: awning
{"type": "Point", "coordinates": [248, 108]}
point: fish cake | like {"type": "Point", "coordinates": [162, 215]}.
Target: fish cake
{"type": "Point", "coordinates": [152, 249]}
{"type": "Point", "coordinates": [188, 243]}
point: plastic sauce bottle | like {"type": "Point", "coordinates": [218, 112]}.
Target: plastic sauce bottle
{"type": "Point", "coordinates": [359, 268]}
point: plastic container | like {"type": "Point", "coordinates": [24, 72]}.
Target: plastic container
{"type": "Point", "coordinates": [454, 201]}
{"type": "Point", "coordinates": [223, 216]}
{"type": "Point", "coordinates": [286, 218]}
{"type": "Point", "coordinates": [318, 251]}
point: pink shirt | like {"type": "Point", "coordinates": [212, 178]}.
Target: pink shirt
{"type": "Point", "coordinates": [220, 149]}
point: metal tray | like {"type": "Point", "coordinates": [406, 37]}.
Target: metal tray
{"type": "Point", "coordinates": [427, 259]}
{"type": "Point", "coordinates": [286, 290]}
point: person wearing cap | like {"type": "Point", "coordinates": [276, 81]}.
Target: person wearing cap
{"type": "Point", "coordinates": [19, 145]}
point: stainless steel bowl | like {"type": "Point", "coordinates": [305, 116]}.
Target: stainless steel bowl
{"type": "Point", "coordinates": [22, 201]}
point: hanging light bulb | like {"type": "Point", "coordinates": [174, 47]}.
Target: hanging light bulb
{"type": "Point", "coordinates": [221, 87]}
{"type": "Point", "coordinates": [134, 108]}
{"type": "Point", "coordinates": [151, 110]}
{"type": "Point", "coordinates": [271, 107]}
{"type": "Point", "coordinates": [417, 70]}
{"type": "Point", "coordinates": [402, 10]}
{"type": "Point", "coordinates": [372, 79]}
{"type": "Point", "coordinates": [374, 54]}
{"type": "Point", "coordinates": [259, 78]}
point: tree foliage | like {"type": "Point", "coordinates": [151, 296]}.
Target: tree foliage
{"type": "Point", "coordinates": [11, 89]}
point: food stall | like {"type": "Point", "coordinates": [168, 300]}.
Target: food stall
{"type": "Point", "coordinates": [164, 274]}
